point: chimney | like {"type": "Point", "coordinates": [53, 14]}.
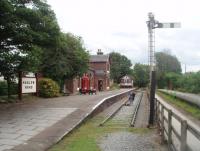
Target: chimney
{"type": "Point", "coordinates": [99, 52]}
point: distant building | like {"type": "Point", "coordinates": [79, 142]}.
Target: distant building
{"type": "Point", "coordinates": [126, 82]}
{"type": "Point", "coordinates": [100, 63]}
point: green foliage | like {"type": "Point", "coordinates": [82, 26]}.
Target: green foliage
{"type": "Point", "coordinates": [67, 60]}
{"type": "Point", "coordinates": [31, 40]}
{"type": "Point", "coordinates": [114, 86]}
{"type": "Point", "coordinates": [166, 63]}
{"type": "Point", "coordinates": [120, 66]}
{"type": "Point", "coordinates": [171, 79]}
{"type": "Point", "coordinates": [4, 88]}
{"type": "Point", "coordinates": [189, 82]}
{"type": "Point", "coordinates": [141, 75]}
{"type": "Point", "coordinates": [26, 27]}
{"type": "Point", "coordinates": [48, 88]}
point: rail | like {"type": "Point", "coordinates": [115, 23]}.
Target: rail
{"type": "Point", "coordinates": [113, 113]}
{"type": "Point", "coordinates": [177, 140]}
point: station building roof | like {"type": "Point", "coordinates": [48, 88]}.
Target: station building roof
{"type": "Point", "coordinates": [99, 58]}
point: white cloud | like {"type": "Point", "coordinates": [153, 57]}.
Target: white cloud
{"type": "Point", "coordinates": [120, 25]}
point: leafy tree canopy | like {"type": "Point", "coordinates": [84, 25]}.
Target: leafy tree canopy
{"type": "Point", "coordinates": [120, 66]}
{"type": "Point", "coordinates": [166, 63]}
{"type": "Point", "coordinates": [190, 82]}
{"type": "Point", "coordinates": [26, 27]}
{"type": "Point", "coordinates": [67, 60]}
{"type": "Point", "coordinates": [141, 75]}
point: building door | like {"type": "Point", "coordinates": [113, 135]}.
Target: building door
{"type": "Point", "coordinates": [100, 85]}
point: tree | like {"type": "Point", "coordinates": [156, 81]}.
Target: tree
{"type": "Point", "coordinates": [172, 80]}
{"type": "Point", "coordinates": [120, 66]}
{"type": "Point", "coordinates": [26, 27]}
{"type": "Point", "coordinates": [166, 63]}
{"type": "Point", "coordinates": [189, 82]}
{"type": "Point", "coordinates": [67, 60]}
{"type": "Point", "coordinates": [78, 56]}
{"type": "Point", "coordinates": [141, 75]}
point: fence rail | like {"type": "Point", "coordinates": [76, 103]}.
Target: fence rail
{"type": "Point", "coordinates": [164, 117]}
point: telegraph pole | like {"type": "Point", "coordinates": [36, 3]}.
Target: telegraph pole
{"type": "Point", "coordinates": [152, 24]}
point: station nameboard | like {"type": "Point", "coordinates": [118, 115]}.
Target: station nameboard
{"type": "Point", "coordinates": [29, 85]}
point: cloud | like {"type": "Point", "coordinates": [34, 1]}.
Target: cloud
{"type": "Point", "coordinates": [120, 25]}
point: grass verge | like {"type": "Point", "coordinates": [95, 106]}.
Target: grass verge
{"type": "Point", "coordinates": [86, 137]}
{"type": "Point", "coordinates": [189, 108]}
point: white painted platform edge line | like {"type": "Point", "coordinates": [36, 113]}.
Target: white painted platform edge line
{"type": "Point", "coordinates": [108, 98]}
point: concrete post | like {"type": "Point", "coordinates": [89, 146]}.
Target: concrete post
{"type": "Point", "coordinates": [183, 135]}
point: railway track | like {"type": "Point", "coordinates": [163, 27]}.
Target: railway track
{"type": "Point", "coordinates": [125, 107]}
{"type": "Point", "coordinates": [111, 129]}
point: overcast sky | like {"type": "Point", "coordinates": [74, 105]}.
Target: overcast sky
{"type": "Point", "coordinates": [120, 25]}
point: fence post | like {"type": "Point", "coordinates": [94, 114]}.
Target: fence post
{"type": "Point", "coordinates": [159, 110]}
{"type": "Point", "coordinates": [162, 123]}
{"type": "Point", "coordinates": [183, 135]}
{"type": "Point", "coordinates": [156, 109]}
{"type": "Point", "coordinates": [169, 128]}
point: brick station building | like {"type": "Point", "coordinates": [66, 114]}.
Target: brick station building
{"type": "Point", "coordinates": [98, 72]}
{"type": "Point", "coordinates": [100, 63]}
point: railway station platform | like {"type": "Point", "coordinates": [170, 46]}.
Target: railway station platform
{"type": "Point", "coordinates": [38, 124]}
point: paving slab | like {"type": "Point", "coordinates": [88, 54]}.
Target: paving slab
{"type": "Point", "coordinates": [37, 124]}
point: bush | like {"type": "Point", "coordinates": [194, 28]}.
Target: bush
{"type": "Point", "coordinates": [114, 86]}
{"type": "Point", "coordinates": [48, 88]}
{"type": "Point", "coordinates": [4, 88]}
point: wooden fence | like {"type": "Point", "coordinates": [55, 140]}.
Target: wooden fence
{"type": "Point", "coordinates": [164, 119]}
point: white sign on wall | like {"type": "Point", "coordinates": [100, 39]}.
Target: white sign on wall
{"type": "Point", "coordinates": [28, 85]}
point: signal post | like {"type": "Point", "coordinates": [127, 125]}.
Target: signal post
{"type": "Point", "coordinates": [152, 24]}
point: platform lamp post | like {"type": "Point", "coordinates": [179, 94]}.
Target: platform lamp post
{"type": "Point", "coordinates": [152, 24]}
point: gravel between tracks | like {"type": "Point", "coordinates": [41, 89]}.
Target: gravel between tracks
{"type": "Point", "coordinates": [126, 140]}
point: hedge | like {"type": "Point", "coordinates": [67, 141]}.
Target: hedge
{"type": "Point", "coordinates": [48, 88]}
